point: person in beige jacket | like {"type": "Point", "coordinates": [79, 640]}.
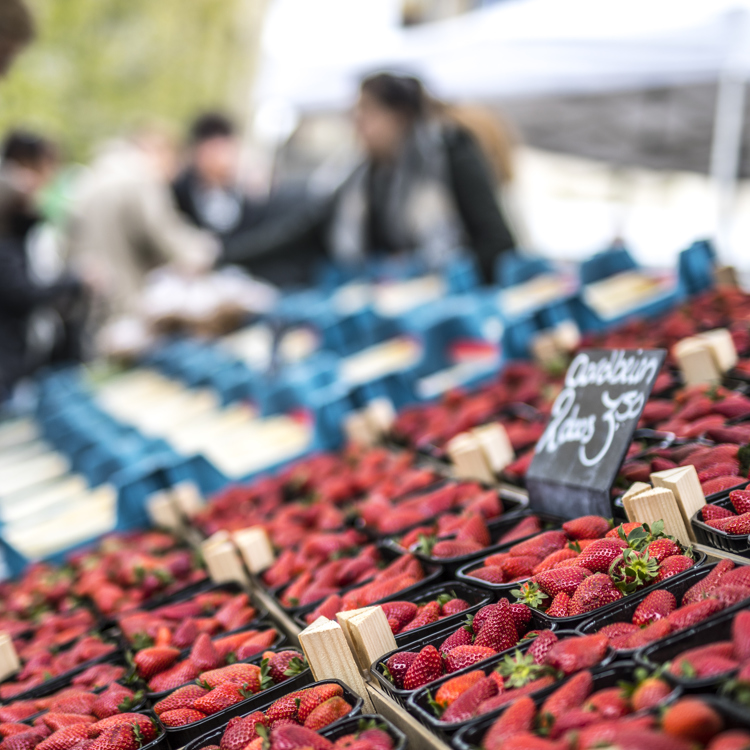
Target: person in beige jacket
{"type": "Point", "coordinates": [124, 223]}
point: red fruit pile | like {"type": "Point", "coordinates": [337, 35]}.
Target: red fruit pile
{"type": "Point", "coordinates": [162, 668]}
{"type": "Point", "coordinates": [406, 616]}
{"type": "Point", "coordinates": [658, 614]}
{"type": "Point", "coordinates": [291, 722]}
{"type": "Point", "coordinates": [724, 520]}
{"type": "Point", "coordinates": [39, 664]}
{"type": "Point", "coordinates": [403, 572]}
{"type": "Point", "coordinates": [494, 628]}
{"type": "Point", "coordinates": [84, 731]}
{"type": "Point", "coordinates": [217, 689]}
{"type": "Point", "coordinates": [546, 661]}
{"type": "Point", "coordinates": [125, 570]}
{"type": "Point", "coordinates": [576, 709]}
{"type": "Point", "coordinates": [179, 624]}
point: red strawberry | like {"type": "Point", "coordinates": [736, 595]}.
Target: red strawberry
{"type": "Point", "coordinates": [397, 666]}
{"type": "Point", "coordinates": [402, 612]}
{"type": "Point", "coordinates": [461, 657]}
{"type": "Point", "coordinates": [697, 591]}
{"type": "Point", "coordinates": [57, 721]}
{"type": "Point", "coordinates": [729, 594]}
{"type": "Point", "coordinates": [452, 606]}
{"type": "Point", "coordinates": [691, 614]}
{"type": "Point", "coordinates": [461, 637]}
{"type": "Point", "coordinates": [568, 696]}
{"type": "Point", "coordinates": [293, 737]}
{"type": "Point", "coordinates": [711, 512]}
{"type": "Point", "coordinates": [151, 661]}
{"type": "Point", "coordinates": [732, 739]}
{"type": "Point", "coordinates": [622, 529]}
{"type": "Point", "coordinates": [740, 500]}
{"type": "Point", "coordinates": [518, 567]}
{"type": "Point", "coordinates": [314, 697]}
{"type": "Point", "coordinates": [482, 615]}
{"type": "Point", "coordinates": [498, 631]}
{"type": "Point", "coordinates": [327, 712]}
{"type": "Point", "coordinates": [242, 732]}
{"type": "Point", "coordinates": [541, 545]}
{"type": "Point", "coordinates": [610, 703]}
{"type": "Point", "coordinates": [114, 700]}
{"type": "Point", "coordinates": [541, 646]}
{"type": "Point", "coordinates": [466, 705]}
{"type": "Point", "coordinates": [552, 582]}
{"type": "Point", "coordinates": [594, 592]}
{"type": "Point", "coordinates": [518, 718]}
{"type": "Point", "coordinates": [220, 697]}
{"type": "Point", "coordinates": [673, 566]}
{"type": "Point", "coordinates": [560, 606]}
{"type": "Point", "coordinates": [574, 654]}
{"type": "Point", "coordinates": [428, 666]}
{"type": "Point", "coordinates": [185, 634]}
{"type": "Point", "coordinates": [661, 549]}
{"type": "Point", "coordinates": [490, 573]}
{"type": "Point", "coordinates": [183, 697]}
{"type": "Point", "coordinates": [719, 484]}
{"type": "Point", "coordinates": [739, 525]}
{"type": "Point", "coordinates": [237, 673]}
{"type": "Point", "coordinates": [618, 630]}
{"type": "Point", "coordinates": [741, 635]}
{"type": "Point", "coordinates": [510, 696]}
{"type": "Point", "coordinates": [521, 617]}
{"type": "Point", "coordinates": [285, 707]}
{"type": "Point", "coordinates": [427, 615]}
{"type": "Point", "coordinates": [649, 634]}
{"type": "Point", "coordinates": [115, 738]}
{"type": "Point", "coordinates": [526, 527]}
{"type": "Point", "coordinates": [180, 674]}
{"type": "Point", "coordinates": [719, 523]}
{"type": "Point", "coordinates": [599, 556]}
{"type": "Point", "coordinates": [655, 606]}
{"type": "Point", "coordinates": [475, 530]}
{"type": "Point", "coordinates": [453, 548]}
{"type": "Point", "coordinates": [550, 561]}
{"type": "Point", "coordinates": [586, 527]}
{"type": "Point", "coordinates": [649, 693]}
{"type": "Point", "coordinates": [692, 720]}
{"type": "Point", "coordinates": [281, 665]}
{"type": "Point", "coordinates": [181, 717]}
{"type": "Point", "coordinates": [739, 575]}
{"type": "Point", "coordinates": [204, 655]}
{"type": "Point", "coordinates": [455, 687]}
{"type": "Point", "coordinates": [66, 738]}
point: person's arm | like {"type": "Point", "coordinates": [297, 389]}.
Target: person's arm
{"type": "Point", "coordinates": [474, 192]}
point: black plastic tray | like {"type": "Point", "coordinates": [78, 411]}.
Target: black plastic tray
{"type": "Point", "coordinates": [473, 595]}
{"type": "Point", "coordinates": [280, 640]}
{"type": "Point", "coordinates": [351, 724]}
{"type": "Point", "coordinates": [434, 639]}
{"type": "Point", "coordinates": [209, 731]}
{"type": "Point", "coordinates": [470, 735]}
{"type": "Point", "coordinates": [418, 704]}
{"type": "Point", "coordinates": [739, 544]}
{"type": "Point", "coordinates": [716, 628]}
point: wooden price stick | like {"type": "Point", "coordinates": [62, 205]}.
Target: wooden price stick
{"type": "Point", "coordinates": [567, 336]}
{"type": "Point", "coordinates": [658, 504]}
{"type": "Point", "coordinates": [544, 348]}
{"type": "Point", "coordinates": [188, 498]}
{"type": "Point", "coordinates": [368, 633]}
{"type": "Point", "coordinates": [223, 562]}
{"type": "Point", "coordinates": [722, 347]}
{"type": "Point", "coordinates": [255, 547]}
{"type": "Point", "coordinates": [329, 656]}
{"type": "Point", "coordinates": [726, 276]}
{"type": "Point", "coordinates": [163, 511]}
{"type": "Point", "coordinates": [9, 661]}
{"type": "Point", "coordinates": [358, 429]}
{"type": "Point", "coordinates": [496, 446]}
{"type": "Point", "coordinates": [469, 461]}
{"type": "Point", "coordinates": [684, 484]}
{"type": "Point", "coordinates": [696, 362]}
{"type": "Point", "coordinates": [381, 415]}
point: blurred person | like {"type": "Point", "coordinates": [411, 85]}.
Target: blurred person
{"type": "Point", "coordinates": [425, 189]}
{"type": "Point", "coordinates": [39, 321]}
{"type": "Point", "coordinates": [206, 191]}
{"type": "Point", "coordinates": [124, 222]}
{"type": "Point", "coordinates": [16, 32]}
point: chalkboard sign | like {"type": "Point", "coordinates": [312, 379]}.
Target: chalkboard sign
{"type": "Point", "coordinates": [591, 426]}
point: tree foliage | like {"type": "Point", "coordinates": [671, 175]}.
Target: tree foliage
{"type": "Point", "coordinates": [98, 66]}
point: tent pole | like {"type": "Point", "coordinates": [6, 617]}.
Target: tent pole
{"type": "Point", "coordinates": [726, 148]}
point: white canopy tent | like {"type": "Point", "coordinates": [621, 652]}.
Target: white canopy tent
{"type": "Point", "coordinates": [314, 54]}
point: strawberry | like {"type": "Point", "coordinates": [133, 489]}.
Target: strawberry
{"type": "Point", "coordinates": [452, 606]}
{"type": "Point", "coordinates": [204, 655]}
{"type": "Point", "coordinates": [489, 573]}
{"type": "Point", "coordinates": [74, 702]}
{"type": "Point", "coordinates": [610, 703]}
{"type": "Point", "coordinates": [449, 548]}
{"type": "Point", "coordinates": [281, 665]}
{"type": "Point", "coordinates": [402, 612]}
{"type": "Point", "coordinates": [181, 717]}
{"type": "Point", "coordinates": [428, 614]}
{"type": "Point", "coordinates": [461, 657]}
{"type": "Point", "coordinates": [151, 661]}
{"type": "Point", "coordinates": [475, 530]}
{"type": "Point", "coordinates": [649, 692]}
{"type": "Point", "coordinates": [574, 654]}
{"type": "Point", "coordinates": [741, 635]}
{"type": "Point", "coordinates": [22, 740]}
{"type": "Point", "coordinates": [115, 738]}
{"type": "Point", "coordinates": [257, 643]}
{"type": "Point", "coordinates": [655, 606]}
{"type": "Point", "coordinates": [521, 617]}
{"type": "Point", "coordinates": [649, 634]}
{"type": "Point", "coordinates": [586, 527]}
{"type": "Point", "coordinates": [698, 591]}
{"type": "Point", "coordinates": [461, 637]}
{"type": "Point", "coordinates": [481, 616]}
{"type": "Point", "coordinates": [9, 729]}
{"type": "Point", "coordinates": [183, 697]}
{"type": "Point", "coordinates": [518, 718]}
{"type": "Point", "coordinates": [518, 567]}
{"type": "Point", "coordinates": [599, 556]}
{"type": "Point", "coordinates": [540, 545]}
{"type": "Point", "coordinates": [550, 561]}
{"type": "Point", "coordinates": [730, 594]}
{"type": "Point", "coordinates": [243, 732]}
{"type": "Point", "coordinates": [720, 523]}
{"type": "Point", "coordinates": [312, 698]}
{"type": "Point", "coordinates": [327, 712]}
{"type": "Point", "coordinates": [293, 737]}
{"type": "Point", "coordinates": [114, 700]}
{"type": "Point", "coordinates": [740, 500]}
{"type": "Point", "coordinates": [524, 741]}
{"type": "Point", "coordinates": [453, 688]}
{"type": "Point", "coordinates": [66, 738]}
{"type": "Point", "coordinates": [465, 706]}
{"type": "Point", "coordinates": [711, 512]}
{"type": "Point", "coordinates": [691, 614]}
{"type": "Point", "coordinates": [594, 592]}
{"type": "Point", "coordinates": [57, 721]}
{"type": "Point", "coordinates": [560, 606]}
{"type": "Point", "coordinates": [509, 696]}
{"type": "Point", "coordinates": [732, 739]}
{"type": "Point", "coordinates": [618, 629]}
{"type": "Point", "coordinates": [573, 721]}
{"type": "Point", "coordinates": [739, 575]}
{"type": "Point", "coordinates": [544, 641]}
{"type": "Point", "coordinates": [526, 527]}
{"type": "Point", "coordinates": [552, 582]}
{"type": "Point", "coordinates": [220, 697]}
{"type": "Point", "coordinates": [185, 634]}
{"type": "Point", "coordinates": [498, 631]}
{"type": "Point", "coordinates": [569, 695]}
{"type": "Point", "coordinates": [719, 484]}
{"type": "Point", "coordinates": [285, 707]}
{"type": "Point", "coordinates": [661, 549]}
{"type": "Point", "coordinates": [739, 525]}
{"type": "Point", "coordinates": [237, 673]}
{"type": "Point", "coordinates": [428, 666]}
{"type": "Point", "coordinates": [691, 719]}
{"type": "Point", "coordinates": [178, 675]}
{"type": "Point", "coordinates": [397, 665]}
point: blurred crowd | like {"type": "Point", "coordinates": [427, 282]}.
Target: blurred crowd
{"type": "Point", "coordinates": [80, 248]}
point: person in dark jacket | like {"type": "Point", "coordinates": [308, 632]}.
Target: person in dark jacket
{"type": "Point", "coordinates": [26, 166]}
{"type": "Point", "coordinates": [16, 32]}
{"type": "Point", "coordinates": [424, 189]}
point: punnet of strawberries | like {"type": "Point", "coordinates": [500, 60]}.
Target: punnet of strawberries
{"type": "Point", "coordinates": [586, 565]}
{"type": "Point", "coordinates": [546, 661]}
{"type": "Point", "coordinates": [219, 688]}
{"type": "Point", "coordinates": [404, 617]}
{"type": "Point", "coordinates": [574, 718]}
{"type": "Point", "coordinates": [659, 614]}
{"type": "Point", "coordinates": [724, 520]}
{"type": "Point", "coordinates": [164, 668]}
{"type": "Point", "coordinates": [292, 721]}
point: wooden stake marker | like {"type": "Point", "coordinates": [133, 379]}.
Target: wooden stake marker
{"type": "Point", "coordinates": [188, 498]}
{"type": "Point", "coordinates": [223, 562]}
{"type": "Point", "coordinates": [255, 547]}
{"type": "Point", "coordinates": [683, 483]}
{"type": "Point", "coordinates": [9, 661]}
{"type": "Point", "coordinates": [368, 634]}
{"type": "Point", "coordinates": [358, 429]}
{"type": "Point", "coordinates": [496, 446]}
{"type": "Point", "coordinates": [468, 458]}
{"type": "Point", "coordinates": [381, 415]}
{"type": "Point", "coordinates": [658, 504]}
{"type": "Point", "coordinates": [163, 511]}
{"type": "Point", "coordinates": [329, 656]}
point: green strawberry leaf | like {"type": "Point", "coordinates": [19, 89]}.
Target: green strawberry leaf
{"type": "Point", "coordinates": [296, 666]}
{"type": "Point", "coordinates": [437, 709]}
{"type": "Point", "coordinates": [266, 681]}
{"type": "Point", "coordinates": [425, 544]}
{"type": "Point", "coordinates": [387, 674]}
